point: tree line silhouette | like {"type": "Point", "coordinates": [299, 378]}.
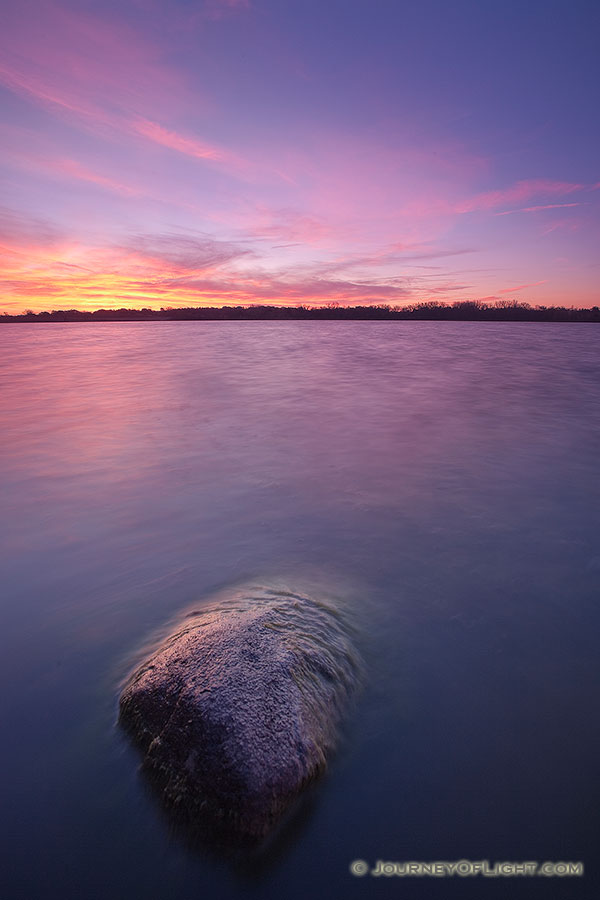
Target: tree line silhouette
{"type": "Point", "coordinates": [460, 311]}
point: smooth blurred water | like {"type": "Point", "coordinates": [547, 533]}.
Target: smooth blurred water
{"type": "Point", "coordinates": [442, 477]}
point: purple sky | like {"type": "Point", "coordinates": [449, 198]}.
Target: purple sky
{"type": "Point", "coordinates": [293, 151]}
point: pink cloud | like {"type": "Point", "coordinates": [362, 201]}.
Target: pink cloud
{"type": "Point", "coordinates": [522, 287]}
{"type": "Point", "coordinates": [18, 231]}
{"type": "Point", "coordinates": [518, 193]}
{"type": "Point", "coordinates": [186, 145]}
{"type": "Point", "coordinates": [93, 116]}
{"type": "Point", "coordinates": [40, 90]}
{"type": "Point", "coordinates": [562, 225]}
{"type": "Point", "coordinates": [356, 183]}
{"type": "Point", "coordinates": [293, 225]}
{"type": "Point", "coordinates": [73, 169]}
{"type": "Point", "coordinates": [329, 209]}
{"type": "Point", "coordinates": [43, 269]}
{"type": "Point", "coordinates": [101, 76]}
{"type": "Point", "coordinates": [26, 150]}
{"type": "Point", "coordinates": [84, 62]}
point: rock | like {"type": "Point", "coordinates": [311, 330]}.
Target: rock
{"type": "Point", "coordinates": [240, 707]}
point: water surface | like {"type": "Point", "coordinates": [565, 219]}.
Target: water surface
{"type": "Point", "coordinates": [441, 477]}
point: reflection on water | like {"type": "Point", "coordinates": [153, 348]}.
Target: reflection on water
{"type": "Point", "coordinates": [442, 477]}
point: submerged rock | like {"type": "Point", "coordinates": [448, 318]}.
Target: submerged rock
{"type": "Point", "coordinates": [240, 707]}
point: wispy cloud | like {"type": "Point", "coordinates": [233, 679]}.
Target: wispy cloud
{"type": "Point", "coordinates": [19, 231]}
{"type": "Point", "coordinates": [217, 9]}
{"type": "Point", "coordinates": [517, 193]}
{"type": "Point", "coordinates": [188, 120]}
{"type": "Point", "coordinates": [103, 78]}
{"type": "Point", "coordinates": [92, 116]}
{"type": "Point", "coordinates": [527, 209]}
{"type": "Point", "coordinates": [564, 224]}
{"type": "Point", "coordinates": [292, 225]}
{"type": "Point", "coordinates": [44, 266]}
{"type": "Point", "coordinates": [521, 287]}
{"type": "Point", "coordinates": [177, 252]}
{"type": "Point", "coordinates": [168, 138]}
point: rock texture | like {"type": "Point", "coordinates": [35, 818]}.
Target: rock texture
{"type": "Point", "coordinates": [239, 708]}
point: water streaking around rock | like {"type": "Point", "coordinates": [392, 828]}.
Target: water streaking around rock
{"type": "Point", "coordinates": [240, 707]}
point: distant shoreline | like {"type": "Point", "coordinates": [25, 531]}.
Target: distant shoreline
{"type": "Point", "coordinates": [466, 311]}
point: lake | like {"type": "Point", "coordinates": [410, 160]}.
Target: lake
{"type": "Point", "coordinates": [440, 478]}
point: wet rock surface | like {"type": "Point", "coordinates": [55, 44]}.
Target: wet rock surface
{"type": "Point", "coordinates": [239, 708]}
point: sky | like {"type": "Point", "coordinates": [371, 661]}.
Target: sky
{"type": "Point", "coordinates": [207, 152]}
